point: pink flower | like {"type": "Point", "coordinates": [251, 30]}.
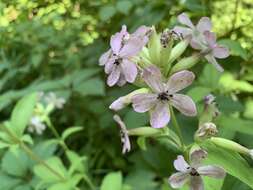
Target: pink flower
{"type": "Point", "coordinates": [192, 172]}
{"type": "Point", "coordinates": [163, 95]}
{"type": "Point", "coordinates": [117, 60]}
{"type": "Point", "coordinates": [195, 33]}
{"type": "Point", "coordinates": [126, 146]}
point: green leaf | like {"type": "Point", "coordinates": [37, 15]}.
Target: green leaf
{"type": "Point", "coordinates": [235, 48]}
{"type": "Point", "coordinates": [70, 131]}
{"type": "Point", "coordinates": [198, 93]}
{"type": "Point", "coordinates": [94, 86]}
{"type": "Point", "coordinates": [76, 162]}
{"type": "Point", "coordinates": [7, 182]}
{"type": "Point", "coordinates": [231, 161]}
{"type": "Point", "coordinates": [124, 6]}
{"type": "Point", "coordinates": [111, 181]}
{"type": "Point", "coordinates": [210, 77]}
{"type": "Point", "coordinates": [22, 113]}
{"type": "Point", "coordinates": [141, 141]}
{"type": "Point", "coordinates": [106, 12]}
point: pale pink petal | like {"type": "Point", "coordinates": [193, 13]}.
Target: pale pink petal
{"type": "Point", "coordinates": [210, 38]}
{"type": "Point", "coordinates": [129, 70]}
{"type": "Point", "coordinates": [212, 171]}
{"type": "Point", "coordinates": [113, 76]}
{"type": "Point", "coordinates": [220, 52]}
{"type": "Point", "coordinates": [143, 102]}
{"type": "Point", "coordinates": [122, 80]}
{"type": "Point", "coordinates": [204, 24]}
{"type": "Point", "coordinates": [109, 65]}
{"type": "Point", "coordinates": [180, 164]}
{"type": "Point", "coordinates": [152, 77]}
{"type": "Point", "coordinates": [160, 116]}
{"type": "Point", "coordinates": [197, 156]}
{"type": "Point", "coordinates": [105, 57]}
{"type": "Point", "coordinates": [132, 47]}
{"type": "Point", "coordinates": [211, 59]}
{"type": "Point", "coordinates": [184, 19]}
{"type": "Point", "coordinates": [118, 104]}
{"type": "Point", "coordinates": [179, 81]}
{"type": "Point", "coordinates": [184, 104]}
{"type": "Point", "coordinates": [182, 30]}
{"type": "Point", "coordinates": [195, 44]}
{"type": "Point", "coordinates": [117, 39]}
{"type": "Point", "coordinates": [196, 183]}
{"type": "Point", "coordinates": [177, 180]}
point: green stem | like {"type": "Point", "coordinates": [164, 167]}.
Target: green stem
{"type": "Point", "coordinates": [31, 153]}
{"type": "Point", "coordinates": [176, 125]}
{"type": "Point", "coordinates": [88, 181]}
{"type": "Point", "coordinates": [56, 134]}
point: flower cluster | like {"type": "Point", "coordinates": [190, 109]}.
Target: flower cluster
{"type": "Point", "coordinates": [152, 62]}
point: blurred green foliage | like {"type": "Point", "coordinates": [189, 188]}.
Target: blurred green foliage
{"type": "Point", "coordinates": [53, 45]}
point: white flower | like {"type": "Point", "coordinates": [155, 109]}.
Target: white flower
{"type": "Point", "coordinates": [51, 98]}
{"type": "Point", "coordinates": [36, 125]}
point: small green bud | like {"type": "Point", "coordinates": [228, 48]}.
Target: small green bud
{"type": "Point", "coordinates": [154, 47]}
{"type": "Point", "coordinates": [206, 131]}
{"type": "Point", "coordinates": [145, 131]}
{"type": "Point", "coordinates": [231, 145]}
{"type": "Point", "coordinates": [178, 50]}
{"type": "Point", "coordinates": [185, 63]}
{"type": "Point", "coordinates": [144, 59]}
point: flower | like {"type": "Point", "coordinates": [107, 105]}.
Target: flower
{"type": "Point", "coordinates": [163, 95]}
{"type": "Point", "coordinates": [212, 50]}
{"type": "Point", "coordinates": [195, 33]}
{"type": "Point", "coordinates": [192, 172]}
{"type": "Point", "coordinates": [126, 146]}
{"type": "Point", "coordinates": [36, 125]}
{"type": "Point", "coordinates": [118, 59]}
{"type": "Point", "coordinates": [51, 98]}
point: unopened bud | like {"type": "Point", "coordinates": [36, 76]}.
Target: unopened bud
{"type": "Point", "coordinates": [154, 47]}
{"type": "Point", "coordinates": [145, 131]}
{"type": "Point", "coordinates": [251, 153]}
{"type": "Point", "coordinates": [178, 50]}
{"type": "Point", "coordinates": [230, 145]}
{"type": "Point", "coordinates": [124, 101]}
{"type": "Point", "coordinates": [185, 63]}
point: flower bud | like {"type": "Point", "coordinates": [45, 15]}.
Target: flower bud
{"type": "Point", "coordinates": [124, 101]}
{"type": "Point", "coordinates": [231, 145]}
{"type": "Point", "coordinates": [145, 131]}
{"type": "Point", "coordinates": [251, 153]}
{"type": "Point", "coordinates": [206, 130]}
{"type": "Point", "coordinates": [154, 47]}
{"type": "Point", "coordinates": [178, 50]}
{"type": "Point", "coordinates": [185, 63]}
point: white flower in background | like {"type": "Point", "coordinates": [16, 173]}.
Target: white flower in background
{"type": "Point", "coordinates": [36, 125]}
{"type": "Point", "coordinates": [51, 98]}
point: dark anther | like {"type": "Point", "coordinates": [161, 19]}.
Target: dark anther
{"type": "Point", "coordinates": [171, 95]}
{"type": "Point", "coordinates": [117, 61]}
{"type": "Point", "coordinates": [194, 172]}
{"type": "Point", "coordinates": [163, 96]}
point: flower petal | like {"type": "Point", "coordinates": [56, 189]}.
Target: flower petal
{"type": "Point", "coordinates": [197, 156]}
{"type": "Point", "coordinates": [129, 70]}
{"type": "Point", "coordinates": [113, 76]}
{"type": "Point", "coordinates": [182, 30]}
{"type": "Point", "coordinates": [153, 78]}
{"type": "Point", "coordinates": [179, 81]}
{"type": "Point", "coordinates": [210, 38]}
{"type": "Point", "coordinates": [160, 116]}
{"type": "Point", "coordinates": [184, 19]}
{"type": "Point", "coordinates": [132, 47]}
{"type": "Point", "coordinates": [117, 39]}
{"type": "Point", "coordinates": [220, 52]}
{"type": "Point", "coordinates": [122, 80]}
{"type": "Point", "coordinates": [143, 102]}
{"type": "Point", "coordinates": [212, 171]}
{"type": "Point", "coordinates": [204, 24]}
{"type": "Point", "coordinates": [177, 180]}
{"type": "Point", "coordinates": [104, 57]}
{"type": "Point", "coordinates": [118, 104]}
{"type": "Point", "coordinates": [109, 65]}
{"type": "Point", "coordinates": [196, 183]}
{"type": "Point", "coordinates": [180, 164]}
{"type": "Point", "coordinates": [184, 104]}
{"type": "Point", "coordinates": [211, 59]}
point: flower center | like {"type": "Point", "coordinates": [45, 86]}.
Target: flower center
{"type": "Point", "coordinates": [117, 61]}
{"type": "Point", "coordinates": [194, 172]}
{"type": "Point", "coordinates": [164, 96]}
